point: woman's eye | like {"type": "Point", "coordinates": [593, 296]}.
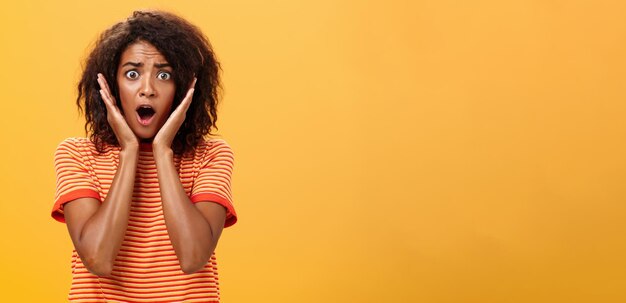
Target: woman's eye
{"type": "Point", "coordinates": [164, 76]}
{"type": "Point", "coordinates": [131, 74]}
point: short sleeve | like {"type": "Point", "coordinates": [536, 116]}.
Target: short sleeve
{"type": "Point", "coordinates": [73, 180]}
{"type": "Point", "coordinates": [212, 183]}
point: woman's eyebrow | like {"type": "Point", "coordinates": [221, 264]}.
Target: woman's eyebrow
{"type": "Point", "coordinates": [139, 64]}
{"type": "Point", "coordinates": [135, 64]}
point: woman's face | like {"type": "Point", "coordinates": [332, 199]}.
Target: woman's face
{"type": "Point", "coordinates": [146, 89]}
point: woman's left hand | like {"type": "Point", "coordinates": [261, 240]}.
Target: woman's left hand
{"type": "Point", "coordinates": [165, 136]}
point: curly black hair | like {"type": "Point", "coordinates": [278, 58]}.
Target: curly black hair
{"type": "Point", "coordinates": [186, 49]}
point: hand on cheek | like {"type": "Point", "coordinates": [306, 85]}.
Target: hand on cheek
{"type": "Point", "coordinates": [164, 138]}
{"type": "Point", "coordinates": [124, 134]}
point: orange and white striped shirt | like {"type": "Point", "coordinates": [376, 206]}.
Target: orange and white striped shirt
{"type": "Point", "coordinates": [146, 268]}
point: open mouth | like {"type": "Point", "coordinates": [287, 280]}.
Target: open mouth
{"type": "Point", "coordinates": [145, 113]}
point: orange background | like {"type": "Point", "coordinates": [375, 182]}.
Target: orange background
{"type": "Point", "coordinates": [386, 151]}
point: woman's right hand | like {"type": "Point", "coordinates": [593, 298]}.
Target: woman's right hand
{"type": "Point", "coordinates": [125, 136]}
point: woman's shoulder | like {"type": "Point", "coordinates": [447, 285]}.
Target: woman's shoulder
{"type": "Point", "coordinates": [82, 145]}
{"type": "Point", "coordinates": [212, 143]}
{"type": "Point", "coordinates": [209, 147]}
{"type": "Point", "coordinates": [76, 143]}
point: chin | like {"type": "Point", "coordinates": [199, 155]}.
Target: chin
{"type": "Point", "coordinates": [145, 136]}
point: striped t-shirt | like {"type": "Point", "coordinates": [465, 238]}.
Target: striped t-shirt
{"type": "Point", "coordinates": [146, 268]}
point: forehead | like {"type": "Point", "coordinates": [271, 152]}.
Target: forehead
{"type": "Point", "coordinates": [142, 51]}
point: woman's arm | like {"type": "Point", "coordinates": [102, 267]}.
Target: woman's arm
{"type": "Point", "coordinates": [97, 230]}
{"type": "Point", "coordinates": [194, 229]}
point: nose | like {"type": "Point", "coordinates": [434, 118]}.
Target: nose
{"type": "Point", "coordinates": [147, 88]}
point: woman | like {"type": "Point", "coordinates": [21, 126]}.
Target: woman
{"type": "Point", "coordinates": [146, 196]}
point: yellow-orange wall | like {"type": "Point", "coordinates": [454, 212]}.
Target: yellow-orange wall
{"type": "Point", "coordinates": [386, 151]}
